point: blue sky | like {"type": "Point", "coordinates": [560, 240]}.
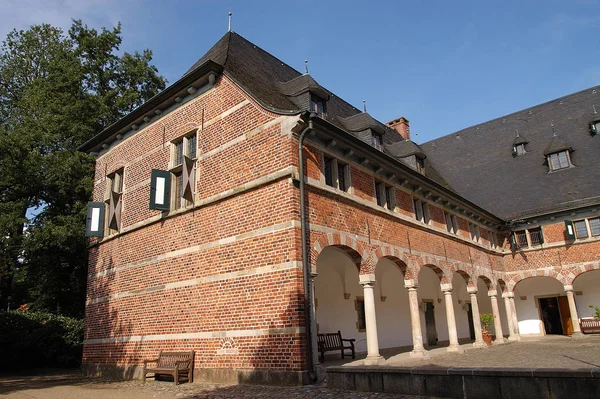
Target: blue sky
{"type": "Point", "coordinates": [443, 65]}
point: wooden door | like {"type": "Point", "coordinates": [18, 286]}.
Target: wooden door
{"type": "Point", "coordinates": [565, 315]}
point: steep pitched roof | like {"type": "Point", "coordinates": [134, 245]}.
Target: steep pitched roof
{"type": "Point", "coordinates": [478, 162]}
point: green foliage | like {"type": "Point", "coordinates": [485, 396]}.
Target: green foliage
{"type": "Point", "coordinates": [57, 91]}
{"type": "Point", "coordinates": [486, 320]}
{"type": "Point", "coordinates": [596, 310]}
{"type": "Point", "coordinates": [37, 339]}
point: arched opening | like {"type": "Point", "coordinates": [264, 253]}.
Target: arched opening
{"type": "Point", "coordinates": [433, 311]}
{"type": "Point", "coordinates": [339, 302]}
{"type": "Point", "coordinates": [585, 287]}
{"type": "Point", "coordinates": [463, 312]}
{"type": "Point", "coordinates": [392, 304]}
{"type": "Point", "coordinates": [542, 307]}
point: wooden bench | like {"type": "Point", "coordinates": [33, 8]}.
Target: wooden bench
{"type": "Point", "coordinates": [176, 364]}
{"type": "Point", "coordinates": [590, 326]}
{"type": "Point", "coordinates": [333, 341]}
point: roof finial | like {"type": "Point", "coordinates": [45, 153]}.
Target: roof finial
{"type": "Point", "coordinates": [553, 131]}
{"type": "Point", "coordinates": [364, 105]}
{"type": "Point", "coordinates": [229, 28]}
{"type": "Point", "coordinates": [306, 66]}
{"type": "Point", "coordinates": [417, 137]}
{"type": "Point", "coordinates": [594, 108]}
{"type": "Point", "coordinates": [518, 133]}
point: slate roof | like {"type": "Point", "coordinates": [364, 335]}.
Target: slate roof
{"type": "Point", "coordinates": [278, 86]}
{"type": "Point", "coordinates": [478, 162]}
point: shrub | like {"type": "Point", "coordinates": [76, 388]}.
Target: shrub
{"type": "Point", "coordinates": [38, 339]}
{"type": "Point", "coordinates": [486, 320]}
{"type": "Point", "coordinates": [596, 310]}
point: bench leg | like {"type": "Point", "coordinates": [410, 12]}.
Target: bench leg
{"type": "Point", "coordinates": [342, 353]}
{"type": "Point", "coordinates": [176, 377]}
{"type": "Point", "coordinates": [322, 357]}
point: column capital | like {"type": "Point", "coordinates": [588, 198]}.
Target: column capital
{"type": "Point", "coordinates": [569, 288]}
{"type": "Point", "coordinates": [492, 293]}
{"type": "Point", "coordinates": [508, 295]}
{"type": "Point", "coordinates": [446, 287]}
{"type": "Point", "coordinates": [367, 279]}
{"type": "Point", "coordinates": [411, 284]}
{"type": "Point", "coordinates": [472, 290]}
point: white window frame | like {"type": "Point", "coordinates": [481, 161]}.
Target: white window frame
{"type": "Point", "coordinates": [568, 156]}
{"type": "Point", "coordinates": [110, 181]}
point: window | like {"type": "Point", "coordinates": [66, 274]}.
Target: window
{"type": "Point", "coordinates": [420, 165]}
{"type": "Point", "coordinates": [317, 105]}
{"type": "Point", "coordinates": [475, 232]}
{"type": "Point", "coordinates": [521, 239]}
{"type": "Point", "coordinates": [559, 160]}
{"type": "Point", "coordinates": [519, 149]}
{"type": "Point", "coordinates": [595, 226]}
{"type": "Point", "coordinates": [183, 155]}
{"type": "Point", "coordinates": [493, 239]}
{"type": "Point", "coordinates": [359, 305]}
{"type": "Point", "coordinates": [385, 195]}
{"type": "Point", "coordinates": [581, 230]}
{"type": "Point", "coordinates": [451, 223]}
{"type": "Point", "coordinates": [536, 236]}
{"type": "Point", "coordinates": [421, 211]}
{"type": "Point", "coordinates": [376, 141]}
{"type": "Point", "coordinates": [337, 174]}
{"type": "Point", "coordinates": [112, 198]}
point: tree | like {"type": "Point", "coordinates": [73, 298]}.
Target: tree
{"type": "Point", "coordinates": [57, 90]}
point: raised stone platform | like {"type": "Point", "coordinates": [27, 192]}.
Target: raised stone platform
{"type": "Point", "coordinates": [470, 383]}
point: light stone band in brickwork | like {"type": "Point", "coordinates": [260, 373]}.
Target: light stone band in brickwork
{"type": "Point", "coordinates": [201, 280]}
{"type": "Point", "coordinates": [197, 335]}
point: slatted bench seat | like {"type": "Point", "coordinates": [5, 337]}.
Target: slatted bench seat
{"type": "Point", "coordinates": [176, 364]}
{"type": "Point", "coordinates": [333, 341]}
{"type": "Point", "coordinates": [590, 326]}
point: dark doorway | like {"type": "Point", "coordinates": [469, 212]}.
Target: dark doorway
{"type": "Point", "coordinates": [551, 316]}
{"type": "Point", "coordinates": [430, 324]}
{"type": "Point", "coordinates": [471, 326]}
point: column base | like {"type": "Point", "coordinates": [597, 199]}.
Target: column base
{"type": "Point", "coordinates": [455, 349]}
{"type": "Point", "coordinates": [478, 344]}
{"type": "Point", "coordinates": [373, 360]}
{"type": "Point", "coordinates": [419, 354]}
{"type": "Point", "coordinates": [514, 338]}
{"type": "Point", "coordinates": [577, 334]}
{"type": "Point", "coordinates": [499, 341]}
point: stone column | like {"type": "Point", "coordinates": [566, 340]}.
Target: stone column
{"type": "Point", "coordinates": [514, 316]}
{"type": "Point", "coordinates": [415, 321]}
{"type": "Point", "coordinates": [373, 356]}
{"type": "Point", "coordinates": [451, 319]}
{"type": "Point", "coordinates": [511, 318]}
{"type": "Point", "coordinates": [573, 309]}
{"type": "Point", "coordinates": [479, 342]}
{"type": "Point", "coordinates": [497, 322]}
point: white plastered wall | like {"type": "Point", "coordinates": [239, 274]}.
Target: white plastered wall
{"type": "Point", "coordinates": [588, 284]}
{"type": "Point", "coordinates": [528, 312]}
{"type": "Point", "coordinates": [429, 288]}
{"type": "Point", "coordinates": [337, 274]}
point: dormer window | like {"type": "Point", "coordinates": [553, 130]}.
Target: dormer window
{"type": "Point", "coordinates": [559, 160]}
{"type": "Point", "coordinates": [519, 149]}
{"type": "Point", "coordinates": [420, 165]}
{"type": "Point", "coordinates": [376, 141]}
{"type": "Point", "coordinates": [317, 105]}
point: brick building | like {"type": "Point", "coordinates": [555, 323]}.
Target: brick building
{"type": "Point", "coordinates": [198, 230]}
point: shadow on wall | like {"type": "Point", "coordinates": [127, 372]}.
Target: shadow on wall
{"type": "Point", "coordinates": [108, 353]}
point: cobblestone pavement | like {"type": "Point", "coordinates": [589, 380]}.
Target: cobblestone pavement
{"type": "Point", "coordinates": [67, 386]}
{"type": "Point", "coordinates": [555, 352]}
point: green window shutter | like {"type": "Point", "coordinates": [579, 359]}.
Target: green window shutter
{"type": "Point", "coordinates": [569, 230]}
{"type": "Point", "coordinates": [160, 190]}
{"type": "Point", "coordinates": [94, 226]}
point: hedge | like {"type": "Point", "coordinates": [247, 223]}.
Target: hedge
{"type": "Point", "coordinates": [37, 339]}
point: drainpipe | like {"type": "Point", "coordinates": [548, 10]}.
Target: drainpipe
{"type": "Point", "coordinates": [305, 263]}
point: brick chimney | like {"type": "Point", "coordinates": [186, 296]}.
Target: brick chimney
{"type": "Point", "coordinates": [401, 125]}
